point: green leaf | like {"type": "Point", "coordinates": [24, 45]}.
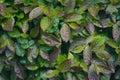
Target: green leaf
{"type": "Point", "coordinates": [15, 33]}
{"type": "Point", "coordinates": [32, 67]}
{"type": "Point", "coordinates": [19, 50]}
{"type": "Point", "coordinates": [103, 55]}
{"type": "Point", "coordinates": [65, 65]}
{"type": "Point", "coordinates": [8, 25]}
{"type": "Point", "coordinates": [72, 17]}
{"type": "Point", "coordinates": [45, 23]}
{"type": "Point", "coordinates": [32, 53]}
{"type": "Point", "coordinates": [50, 74]}
{"type": "Point", "coordinates": [34, 32]}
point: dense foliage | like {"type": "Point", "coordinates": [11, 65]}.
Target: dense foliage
{"type": "Point", "coordinates": [59, 39]}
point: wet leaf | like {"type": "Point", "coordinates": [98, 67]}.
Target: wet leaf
{"type": "Point", "coordinates": [45, 23]}
{"type": "Point", "coordinates": [87, 55]}
{"type": "Point", "coordinates": [50, 40]}
{"type": "Point", "coordinates": [35, 12]}
{"type": "Point", "coordinates": [8, 25]}
{"type": "Point", "coordinates": [65, 32]}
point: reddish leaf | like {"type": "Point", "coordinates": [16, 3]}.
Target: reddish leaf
{"type": "Point", "coordinates": [8, 24]}
{"type": "Point", "coordinates": [103, 55]}
{"type": "Point", "coordinates": [87, 55]}
{"type": "Point", "coordinates": [25, 27]}
{"type": "Point", "coordinates": [116, 32]}
{"type": "Point", "coordinates": [19, 72]}
{"type": "Point", "coordinates": [90, 27]}
{"type": "Point", "coordinates": [50, 40]}
{"type": "Point", "coordinates": [2, 8]}
{"type": "Point", "coordinates": [54, 55]}
{"type": "Point", "coordinates": [92, 75]}
{"type": "Point", "coordinates": [26, 9]}
{"type": "Point", "coordinates": [65, 32]}
{"type": "Point", "coordinates": [70, 5]}
{"type": "Point", "coordinates": [65, 65]}
{"type": "Point", "coordinates": [35, 12]}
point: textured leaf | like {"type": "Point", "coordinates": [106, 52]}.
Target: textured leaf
{"type": "Point", "coordinates": [8, 24]}
{"type": "Point", "coordinates": [87, 55]}
{"type": "Point", "coordinates": [90, 27]}
{"type": "Point", "coordinates": [26, 9]}
{"type": "Point", "coordinates": [19, 50]}
{"type": "Point", "coordinates": [72, 17]}
{"type": "Point", "coordinates": [2, 8]}
{"type": "Point", "coordinates": [19, 72]}
{"type": "Point", "coordinates": [65, 65]}
{"type": "Point", "coordinates": [18, 1]}
{"type": "Point", "coordinates": [44, 55]}
{"type": "Point", "coordinates": [50, 73]}
{"type": "Point", "coordinates": [32, 53]}
{"type": "Point", "coordinates": [112, 43]}
{"type": "Point", "coordinates": [102, 67]}
{"type": "Point", "coordinates": [111, 9]}
{"type": "Point", "coordinates": [35, 12]}
{"type": "Point", "coordinates": [70, 5]}
{"type": "Point", "coordinates": [65, 32]}
{"type": "Point", "coordinates": [15, 33]}
{"type": "Point", "coordinates": [116, 32]}
{"type": "Point", "coordinates": [74, 26]}
{"type": "Point", "coordinates": [103, 55]}
{"type": "Point", "coordinates": [77, 46]}
{"type": "Point", "coordinates": [45, 23]}
{"type": "Point", "coordinates": [25, 27]}
{"type": "Point", "coordinates": [91, 74]}
{"type": "Point", "coordinates": [34, 32]}
{"type": "Point", "coordinates": [54, 55]}
{"type": "Point", "coordinates": [93, 10]}
{"type": "Point", "coordinates": [50, 40]}
{"type": "Point", "coordinates": [31, 67]}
